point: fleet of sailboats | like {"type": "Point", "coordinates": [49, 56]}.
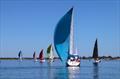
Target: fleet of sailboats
{"type": "Point", "coordinates": [64, 44]}
{"type": "Point", "coordinates": [63, 40]}
{"type": "Point", "coordinates": [95, 53]}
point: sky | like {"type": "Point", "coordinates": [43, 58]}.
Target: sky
{"type": "Point", "coordinates": [28, 25]}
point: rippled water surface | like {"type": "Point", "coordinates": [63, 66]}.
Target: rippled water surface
{"type": "Point", "coordinates": [28, 69]}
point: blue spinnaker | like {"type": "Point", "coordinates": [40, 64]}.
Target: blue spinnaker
{"type": "Point", "coordinates": [62, 35]}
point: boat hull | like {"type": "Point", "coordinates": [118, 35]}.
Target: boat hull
{"type": "Point", "coordinates": [96, 61]}
{"type": "Point", "coordinates": [73, 60]}
{"type": "Point", "coordinates": [42, 60]}
{"type": "Point", "coordinates": [35, 60]}
{"type": "Point", "coordinates": [73, 63]}
{"type": "Point", "coordinates": [50, 60]}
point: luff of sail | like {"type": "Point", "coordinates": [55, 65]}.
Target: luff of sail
{"type": "Point", "coordinates": [95, 51]}
{"type": "Point", "coordinates": [62, 35]}
{"type": "Point", "coordinates": [71, 47]}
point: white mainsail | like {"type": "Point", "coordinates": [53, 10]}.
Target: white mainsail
{"type": "Point", "coordinates": [34, 56]}
{"type": "Point", "coordinates": [71, 36]}
{"type": "Point", "coordinates": [51, 53]}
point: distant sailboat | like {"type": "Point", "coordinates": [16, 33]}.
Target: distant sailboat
{"type": "Point", "coordinates": [41, 56]}
{"type": "Point", "coordinates": [20, 55]}
{"type": "Point", "coordinates": [95, 53]}
{"type": "Point", "coordinates": [50, 53]}
{"type": "Point", "coordinates": [63, 40]}
{"type": "Point", "coordinates": [34, 56]}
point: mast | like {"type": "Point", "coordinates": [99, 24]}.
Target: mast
{"type": "Point", "coordinates": [71, 35]}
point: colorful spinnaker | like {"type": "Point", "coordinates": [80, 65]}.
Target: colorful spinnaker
{"type": "Point", "coordinates": [63, 39]}
{"type": "Point", "coordinates": [62, 36]}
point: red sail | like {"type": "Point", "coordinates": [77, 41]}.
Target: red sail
{"type": "Point", "coordinates": [41, 55]}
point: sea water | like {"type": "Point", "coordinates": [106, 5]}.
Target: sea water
{"type": "Point", "coordinates": [28, 69]}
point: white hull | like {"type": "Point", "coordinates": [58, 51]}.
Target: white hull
{"type": "Point", "coordinates": [20, 59]}
{"type": "Point", "coordinates": [35, 60]}
{"type": "Point", "coordinates": [42, 60]}
{"type": "Point", "coordinates": [50, 60]}
{"type": "Point", "coordinates": [73, 63]}
{"type": "Point", "coordinates": [97, 61]}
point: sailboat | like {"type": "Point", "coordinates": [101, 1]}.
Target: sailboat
{"type": "Point", "coordinates": [41, 58]}
{"type": "Point", "coordinates": [63, 40]}
{"type": "Point", "coordinates": [20, 55]}
{"type": "Point", "coordinates": [34, 56]}
{"type": "Point", "coordinates": [95, 53]}
{"type": "Point", "coordinates": [50, 53]}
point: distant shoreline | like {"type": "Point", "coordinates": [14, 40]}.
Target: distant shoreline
{"type": "Point", "coordinates": [84, 58]}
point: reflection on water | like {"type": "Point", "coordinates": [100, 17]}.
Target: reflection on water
{"type": "Point", "coordinates": [60, 73]}
{"type": "Point", "coordinates": [50, 73]}
{"type": "Point", "coordinates": [28, 69]}
{"type": "Point", "coordinates": [95, 71]}
{"type": "Point", "coordinates": [67, 73]}
{"type": "Point", "coordinates": [73, 72]}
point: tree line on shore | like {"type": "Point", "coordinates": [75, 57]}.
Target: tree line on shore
{"type": "Point", "coordinates": [82, 57]}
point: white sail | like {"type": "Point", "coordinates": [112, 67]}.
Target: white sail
{"type": "Point", "coordinates": [51, 53]}
{"type": "Point", "coordinates": [34, 56]}
{"type": "Point", "coordinates": [71, 36]}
